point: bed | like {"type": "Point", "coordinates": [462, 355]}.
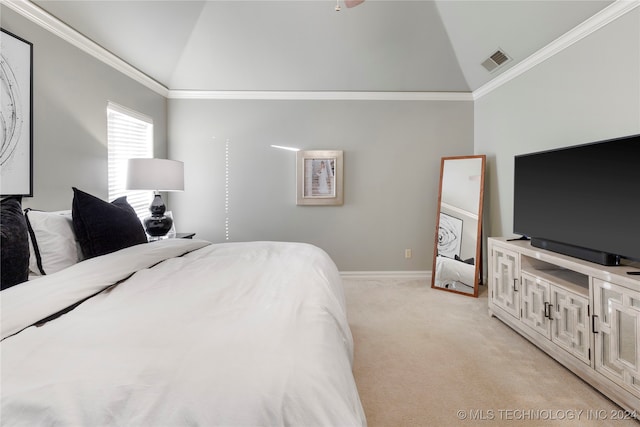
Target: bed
{"type": "Point", "coordinates": [181, 332]}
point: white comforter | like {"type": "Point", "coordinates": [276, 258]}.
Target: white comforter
{"type": "Point", "coordinates": [238, 334]}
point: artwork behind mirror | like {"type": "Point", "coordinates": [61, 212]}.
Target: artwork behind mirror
{"type": "Point", "coordinates": [457, 253]}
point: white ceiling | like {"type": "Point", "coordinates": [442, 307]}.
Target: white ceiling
{"type": "Point", "coordinates": [305, 45]}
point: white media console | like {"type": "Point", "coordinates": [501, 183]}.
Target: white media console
{"type": "Point", "coordinates": [584, 315]}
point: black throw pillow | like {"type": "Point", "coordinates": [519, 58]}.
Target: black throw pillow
{"type": "Point", "coordinates": [103, 227]}
{"type": "Point", "coordinates": [14, 242]}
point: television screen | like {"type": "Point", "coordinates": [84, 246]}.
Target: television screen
{"type": "Point", "coordinates": [582, 197]}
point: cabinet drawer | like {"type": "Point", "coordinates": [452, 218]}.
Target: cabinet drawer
{"type": "Point", "coordinates": [570, 324]}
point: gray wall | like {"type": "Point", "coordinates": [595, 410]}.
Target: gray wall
{"type": "Point", "coordinates": [70, 94]}
{"type": "Point", "coordinates": [392, 152]}
{"type": "Point", "coordinates": [588, 92]}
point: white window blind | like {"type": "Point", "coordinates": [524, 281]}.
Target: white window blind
{"type": "Point", "coordinates": [129, 135]}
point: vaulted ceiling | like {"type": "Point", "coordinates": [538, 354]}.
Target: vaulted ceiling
{"type": "Point", "coordinates": [306, 45]}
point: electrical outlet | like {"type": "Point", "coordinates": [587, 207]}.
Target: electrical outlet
{"type": "Point", "coordinates": [407, 253]}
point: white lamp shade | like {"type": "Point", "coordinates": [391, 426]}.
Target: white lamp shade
{"type": "Point", "coordinates": [155, 174]}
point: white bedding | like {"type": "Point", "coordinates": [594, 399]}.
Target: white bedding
{"type": "Point", "coordinates": [238, 334]}
{"type": "Point", "coordinates": [451, 273]}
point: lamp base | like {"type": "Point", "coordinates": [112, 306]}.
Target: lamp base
{"type": "Point", "coordinates": [157, 225]}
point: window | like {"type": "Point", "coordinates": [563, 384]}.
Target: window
{"type": "Point", "coordinates": [129, 135]}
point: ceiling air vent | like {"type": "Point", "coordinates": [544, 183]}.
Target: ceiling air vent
{"type": "Point", "coordinates": [495, 60]}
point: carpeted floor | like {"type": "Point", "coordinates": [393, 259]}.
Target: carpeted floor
{"type": "Point", "coordinates": [425, 357]}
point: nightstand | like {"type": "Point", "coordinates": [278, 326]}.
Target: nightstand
{"type": "Point", "coordinates": [185, 235]}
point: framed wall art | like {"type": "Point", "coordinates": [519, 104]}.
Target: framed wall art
{"type": "Point", "coordinates": [319, 177]}
{"type": "Point", "coordinates": [449, 235]}
{"type": "Point", "coordinates": [16, 132]}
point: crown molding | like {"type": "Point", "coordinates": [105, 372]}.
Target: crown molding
{"type": "Point", "coordinates": [612, 12]}
{"type": "Point", "coordinates": [48, 22]}
{"type": "Point", "coordinates": [321, 95]}
{"type": "Point", "coordinates": [54, 25]}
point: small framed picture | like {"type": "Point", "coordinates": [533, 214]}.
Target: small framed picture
{"type": "Point", "coordinates": [319, 177]}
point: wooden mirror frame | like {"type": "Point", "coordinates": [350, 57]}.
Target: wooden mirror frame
{"type": "Point", "coordinates": [453, 266]}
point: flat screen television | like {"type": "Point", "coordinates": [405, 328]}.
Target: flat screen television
{"type": "Point", "coordinates": [582, 201]}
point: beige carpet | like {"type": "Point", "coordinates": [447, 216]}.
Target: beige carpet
{"type": "Point", "coordinates": [425, 357]}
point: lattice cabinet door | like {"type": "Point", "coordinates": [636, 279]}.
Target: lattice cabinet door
{"type": "Point", "coordinates": [535, 300]}
{"type": "Point", "coordinates": [616, 326]}
{"type": "Point", "coordinates": [570, 325]}
{"type": "Point", "coordinates": [505, 287]}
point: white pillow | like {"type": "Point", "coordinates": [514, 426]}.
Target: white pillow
{"type": "Point", "coordinates": [52, 242]}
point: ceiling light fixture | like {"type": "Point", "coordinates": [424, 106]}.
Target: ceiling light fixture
{"type": "Point", "coordinates": [348, 3]}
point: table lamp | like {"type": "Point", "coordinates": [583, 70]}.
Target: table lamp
{"type": "Point", "coordinates": [157, 175]}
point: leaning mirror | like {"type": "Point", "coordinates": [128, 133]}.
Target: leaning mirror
{"type": "Point", "coordinates": [457, 255]}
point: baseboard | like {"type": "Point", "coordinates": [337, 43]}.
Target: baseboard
{"type": "Point", "coordinates": [379, 275]}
